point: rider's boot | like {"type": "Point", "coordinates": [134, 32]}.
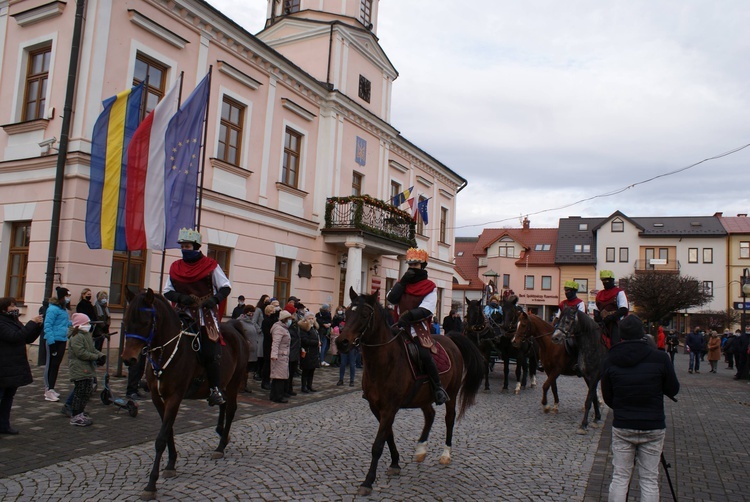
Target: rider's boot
{"type": "Point", "coordinates": [213, 374]}
{"type": "Point", "coordinates": [430, 368]}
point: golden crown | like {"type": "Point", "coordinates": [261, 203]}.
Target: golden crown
{"type": "Point", "coordinates": [189, 235]}
{"type": "Point", "coordinates": [414, 255]}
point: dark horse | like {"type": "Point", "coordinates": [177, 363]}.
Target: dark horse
{"type": "Point", "coordinates": [491, 338]}
{"type": "Point", "coordinates": [389, 384]}
{"type": "Point", "coordinates": [577, 325]}
{"type": "Point", "coordinates": [555, 358]}
{"type": "Point", "coordinates": [174, 372]}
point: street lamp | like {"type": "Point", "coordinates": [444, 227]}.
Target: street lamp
{"type": "Point", "coordinates": [745, 293]}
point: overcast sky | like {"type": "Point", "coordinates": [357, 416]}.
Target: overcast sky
{"type": "Point", "coordinates": [540, 104]}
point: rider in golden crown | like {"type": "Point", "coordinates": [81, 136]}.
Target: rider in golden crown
{"type": "Point", "coordinates": [415, 300]}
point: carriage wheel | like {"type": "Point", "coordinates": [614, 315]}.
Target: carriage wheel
{"type": "Point", "coordinates": [106, 396]}
{"type": "Point", "coordinates": [132, 409]}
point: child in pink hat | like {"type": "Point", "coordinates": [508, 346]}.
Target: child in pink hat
{"type": "Point", "coordinates": [82, 360]}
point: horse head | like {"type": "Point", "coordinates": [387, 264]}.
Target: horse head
{"type": "Point", "coordinates": [475, 319]}
{"type": "Point", "coordinates": [566, 326]}
{"type": "Point", "coordinates": [362, 317]}
{"type": "Point", "coordinates": [511, 310]}
{"type": "Point", "coordinates": [521, 331]}
{"type": "Point", "coordinates": [140, 322]}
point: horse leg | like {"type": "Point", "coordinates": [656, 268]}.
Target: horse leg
{"type": "Point", "coordinates": [220, 423]}
{"type": "Point", "coordinates": [450, 420]}
{"type": "Point", "coordinates": [385, 430]}
{"type": "Point", "coordinates": [394, 469]}
{"type": "Point", "coordinates": [170, 470]}
{"type": "Point", "coordinates": [597, 410]}
{"type": "Point", "coordinates": [545, 388]}
{"type": "Point", "coordinates": [521, 373]}
{"type": "Point", "coordinates": [168, 412]}
{"type": "Point", "coordinates": [554, 394]}
{"type": "Point", "coordinates": [506, 371]}
{"type": "Point", "coordinates": [226, 417]}
{"type": "Point", "coordinates": [486, 371]}
{"type": "Point", "coordinates": [429, 418]}
{"type": "Point", "coordinates": [590, 396]}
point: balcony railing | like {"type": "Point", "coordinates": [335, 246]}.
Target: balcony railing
{"type": "Point", "coordinates": [671, 267]}
{"type": "Point", "coordinates": [369, 215]}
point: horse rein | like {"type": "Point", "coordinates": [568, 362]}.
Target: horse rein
{"type": "Point", "coordinates": [358, 341]}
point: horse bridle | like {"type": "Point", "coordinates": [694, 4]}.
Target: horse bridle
{"type": "Point", "coordinates": [358, 340]}
{"type": "Point", "coordinates": [566, 333]}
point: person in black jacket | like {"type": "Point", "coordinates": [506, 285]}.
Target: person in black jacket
{"type": "Point", "coordinates": [14, 364]}
{"type": "Point", "coordinates": [635, 378]}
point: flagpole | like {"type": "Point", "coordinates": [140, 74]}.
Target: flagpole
{"type": "Point", "coordinates": [203, 157]}
{"type": "Point", "coordinates": [164, 244]}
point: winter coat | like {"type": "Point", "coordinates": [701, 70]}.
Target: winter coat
{"type": "Point", "coordinates": [14, 363]}
{"type": "Point", "coordinates": [324, 320]}
{"type": "Point", "coordinates": [295, 346]}
{"type": "Point", "coordinates": [86, 307]}
{"type": "Point", "coordinates": [280, 351]}
{"type": "Point", "coordinates": [310, 341]}
{"type": "Point", "coordinates": [694, 342]}
{"type": "Point", "coordinates": [254, 337]}
{"type": "Point", "coordinates": [635, 379]}
{"type": "Point", "coordinates": [730, 345]}
{"type": "Point", "coordinates": [333, 349]}
{"type": "Point", "coordinates": [673, 342]}
{"type": "Point", "coordinates": [56, 323]}
{"type": "Point", "coordinates": [82, 355]}
{"type": "Point", "coordinates": [714, 348]}
{"type": "Point", "coordinates": [661, 339]}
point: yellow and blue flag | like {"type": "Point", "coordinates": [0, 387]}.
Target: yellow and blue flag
{"type": "Point", "coordinates": [399, 199]}
{"type": "Point", "coordinates": [105, 209]}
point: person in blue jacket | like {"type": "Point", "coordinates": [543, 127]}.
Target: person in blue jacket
{"type": "Point", "coordinates": [56, 323]}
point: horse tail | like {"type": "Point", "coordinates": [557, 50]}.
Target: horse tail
{"type": "Point", "coordinates": [474, 365]}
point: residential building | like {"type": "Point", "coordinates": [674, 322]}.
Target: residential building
{"type": "Point", "coordinates": [738, 259]}
{"type": "Point", "coordinates": [576, 256]}
{"type": "Point", "coordinates": [301, 160]}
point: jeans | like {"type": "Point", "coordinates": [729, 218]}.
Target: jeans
{"type": "Point", "coordinates": [348, 359]}
{"type": "Point", "coordinates": [695, 357]}
{"type": "Point", "coordinates": [645, 448]}
{"type": "Point", "coordinates": [323, 348]}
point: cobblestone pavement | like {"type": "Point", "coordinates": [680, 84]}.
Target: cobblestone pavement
{"type": "Point", "coordinates": [317, 448]}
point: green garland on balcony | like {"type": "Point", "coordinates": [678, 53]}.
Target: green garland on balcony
{"type": "Point", "coordinates": [371, 201]}
{"type": "Point", "coordinates": [359, 201]}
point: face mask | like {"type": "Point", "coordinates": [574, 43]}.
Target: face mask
{"type": "Point", "coordinates": [289, 323]}
{"type": "Point", "coordinates": [12, 313]}
{"type": "Point", "coordinates": [85, 328]}
{"type": "Point", "coordinates": [88, 298]}
{"type": "Point", "coordinates": [570, 294]}
{"type": "Point", "coordinates": [608, 284]}
{"type": "Point", "coordinates": [103, 301]}
{"type": "Point", "coordinates": [493, 305]}
{"type": "Point", "coordinates": [67, 301]}
{"type": "Point", "coordinates": [190, 254]}
{"type": "Point", "coordinates": [340, 312]}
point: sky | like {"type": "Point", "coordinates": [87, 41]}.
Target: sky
{"type": "Point", "coordinates": [552, 109]}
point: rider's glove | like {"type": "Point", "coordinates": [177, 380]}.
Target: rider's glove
{"type": "Point", "coordinates": [409, 275]}
{"type": "Point", "coordinates": [210, 303]}
{"type": "Point", "coordinates": [186, 300]}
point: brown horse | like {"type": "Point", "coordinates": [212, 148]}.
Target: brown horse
{"type": "Point", "coordinates": [555, 359]}
{"type": "Point", "coordinates": [174, 372]}
{"type": "Point", "coordinates": [389, 384]}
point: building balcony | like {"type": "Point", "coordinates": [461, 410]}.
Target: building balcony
{"type": "Point", "coordinates": [381, 225]}
{"type": "Point", "coordinates": [657, 265]}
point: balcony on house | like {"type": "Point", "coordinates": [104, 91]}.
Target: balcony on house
{"type": "Point", "coordinates": [381, 225]}
{"type": "Point", "coordinates": [657, 265]}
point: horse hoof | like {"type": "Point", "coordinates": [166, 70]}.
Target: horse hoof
{"type": "Point", "coordinates": [581, 431]}
{"type": "Point", "coordinates": [217, 455]}
{"type": "Point", "coordinates": [594, 425]}
{"type": "Point", "coordinates": [419, 457]}
{"type": "Point", "coordinates": [517, 392]}
{"type": "Point", "coordinates": [364, 491]}
{"type": "Point", "coordinates": [555, 410]}
{"type": "Point", "coordinates": [393, 471]}
{"type": "Point", "coordinates": [445, 460]}
{"type": "Point", "coordinates": [546, 409]}
{"type": "Point", "coordinates": [168, 473]}
{"type": "Point", "coordinates": [148, 495]}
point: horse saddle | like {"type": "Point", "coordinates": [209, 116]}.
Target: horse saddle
{"type": "Point", "coordinates": [442, 360]}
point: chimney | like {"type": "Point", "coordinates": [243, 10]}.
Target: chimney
{"type": "Point", "coordinates": [526, 223]}
{"type": "Point", "coordinates": [742, 215]}
{"type": "Point", "coordinates": [718, 214]}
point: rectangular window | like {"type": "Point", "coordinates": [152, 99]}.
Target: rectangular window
{"type": "Point", "coordinates": [692, 255]}
{"type": "Point", "coordinates": [365, 12]}
{"type": "Point", "coordinates": [395, 189]}
{"type": "Point", "coordinates": [528, 282]}
{"type": "Point", "coordinates": [365, 87]}
{"type": "Point", "coordinates": [357, 183]}
{"type": "Point", "coordinates": [290, 7]}
{"type": "Point", "coordinates": [582, 227]}
{"type": "Point", "coordinates": [583, 287]}
{"type": "Point", "coordinates": [547, 282]}
{"type": "Point", "coordinates": [745, 249]}
{"type": "Point", "coordinates": [156, 73]}
{"type": "Point", "coordinates": [624, 255]}
{"type": "Point", "coordinates": [222, 255]}
{"type": "Point", "coordinates": [35, 92]}
{"type": "Point", "coordinates": [420, 221]}
{"type": "Point", "coordinates": [18, 259]}
{"type": "Point", "coordinates": [542, 247]}
{"type": "Point", "coordinates": [444, 225]}
{"type": "Point", "coordinates": [292, 149]}
{"type": "Point", "coordinates": [708, 255]}
{"type": "Point", "coordinates": [506, 281]}
{"type": "Point", "coordinates": [230, 131]}
{"type": "Point", "coordinates": [618, 226]}
{"type": "Point", "coordinates": [650, 255]}
{"type": "Point", "coordinates": [282, 279]}
{"type": "Point", "coordinates": [610, 255]}
{"type": "Point", "coordinates": [708, 287]}
{"type": "Point", "coordinates": [128, 270]}
{"type": "Point", "coordinates": [582, 248]}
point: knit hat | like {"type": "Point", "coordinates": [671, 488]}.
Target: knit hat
{"type": "Point", "coordinates": [290, 308]}
{"type": "Point", "coordinates": [62, 292]}
{"type": "Point", "coordinates": [79, 319]}
{"type": "Point", "coordinates": [631, 328]}
{"type": "Point", "coordinates": [284, 315]}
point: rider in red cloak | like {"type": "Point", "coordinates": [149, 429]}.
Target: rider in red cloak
{"type": "Point", "coordinates": [415, 300]}
{"type": "Point", "coordinates": [197, 285]}
{"type": "Point", "coordinates": [611, 306]}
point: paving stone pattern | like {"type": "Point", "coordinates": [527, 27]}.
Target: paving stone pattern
{"type": "Point", "coordinates": [318, 448]}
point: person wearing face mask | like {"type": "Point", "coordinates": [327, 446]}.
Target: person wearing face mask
{"type": "Point", "coordinates": [197, 285]}
{"type": "Point", "coordinates": [337, 320]}
{"type": "Point", "coordinates": [571, 298]}
{"type": "Point", "coordinates": [492, 310]}
{"type": "Point", "coordinates": [85, 306]}
{"type": "Point", "coordinates": [14, 364]}
{"type": "Point", "coordinates": [56, 322]}
{"type": "Point", "coordinates": [611, 306]}
{"type": "Point", "coordinates": [82, 361]}
{"type": "Point", "coordinates": [279, 356]}
{"type": "Point", "coordinates": [103, 316]}
{"type": "Point", "coordinates": [240, 308]}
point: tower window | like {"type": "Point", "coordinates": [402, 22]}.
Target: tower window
{"type": "Point", "coordinates": [364, 88]}
{"type": "Point", "coordinates": [291, 6]}
{"type": "Point", "coordinates": [365, 13]}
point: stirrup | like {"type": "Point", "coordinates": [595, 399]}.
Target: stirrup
{"type": "Point", "coordinates": [215, 397]}
{"type": "Point", "coordinates": [441, 397]}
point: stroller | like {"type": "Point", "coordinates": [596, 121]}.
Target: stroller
{"type": "Point", "coordinates": [108, 397]}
